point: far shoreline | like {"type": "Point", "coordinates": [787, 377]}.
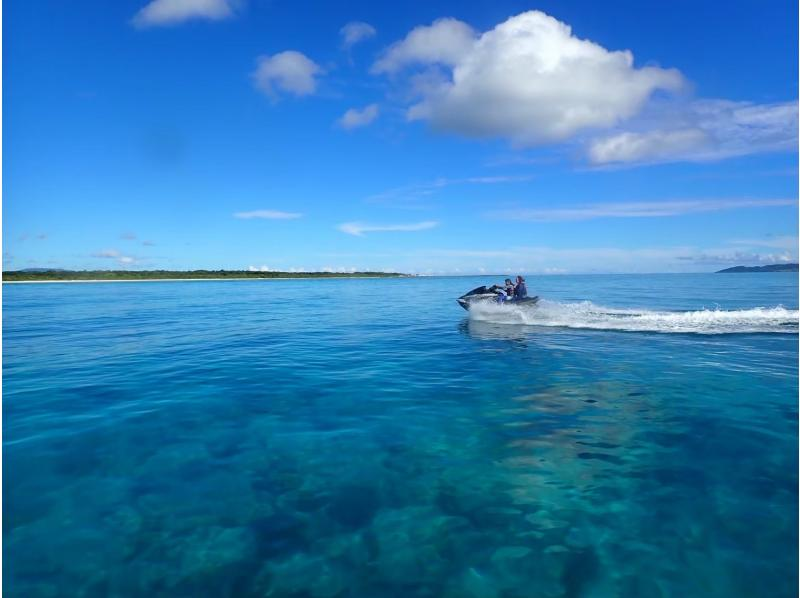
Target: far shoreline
{"type": "Point", "coordinates": [252, 278]}
{"type": "Point", "coordinates": [371, 276]}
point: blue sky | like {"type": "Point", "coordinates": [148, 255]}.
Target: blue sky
{"type": "Point", "coordinates": [436, 137]}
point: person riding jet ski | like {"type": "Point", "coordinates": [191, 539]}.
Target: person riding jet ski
{"type": "Point", "coordinates": [520, 290]}
{"type": "Point", "coordinates": [504, 294]}
{"type": "Point", "coordinates": [497, 294]}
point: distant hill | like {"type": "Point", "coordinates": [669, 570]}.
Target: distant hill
{"type": "Point", "coordinates": [770, 268]}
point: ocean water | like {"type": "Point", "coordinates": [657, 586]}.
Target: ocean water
{"type": "Point", "coordinates": [635, 436]}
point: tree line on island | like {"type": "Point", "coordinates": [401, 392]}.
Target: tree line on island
{"type": "Point", "coordinates": [42, 274]}
{"type": "Point", "coordinates": [770, 268]}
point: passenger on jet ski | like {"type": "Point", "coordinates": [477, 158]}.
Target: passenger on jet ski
{"type": "Point", "coordinates": [520, 290]}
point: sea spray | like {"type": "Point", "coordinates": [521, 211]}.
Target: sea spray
{"type": "Point", "coordinates": [588, 315]}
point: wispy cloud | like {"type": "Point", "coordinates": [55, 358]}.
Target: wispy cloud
{"type": "Point", "coordinates": [548, 260]}
{"type": "Point", "coordinates": [418, 190]}
{"type": "Point", "coordinates": [128, 236]}
{"type": "Point", "coordinates": [709, 174]}
{"type": "Point", "coordinates": [651, 146]}
{"type": "Point", "coordinates": [740, 258]}
{"type": "Point", "coordinates": [787, 242]}
{"type": "Point", "coordinates": [267, 215]}
{"type": "Point", "coordinates": [544, 259]}
{"type": "Point", "coordinates": [106, 253]}
{"type": "Point", "coordinates": [173, 12]}
{"type": "Point", "coordinates": [358, 229]}
{"type": "Point", "coordinates": [355, 32]}
{"type": "Point", "coordinates": [119, 257]}
{"type": "Point", "coordinates": [702, 130]}
{"type": "Point", "coordinates": [644, 209]}
{"type": "Point", "coordinates": [478, 253]}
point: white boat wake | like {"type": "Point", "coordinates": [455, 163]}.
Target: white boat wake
{"type": "Point", "coordinates": [588, 315]}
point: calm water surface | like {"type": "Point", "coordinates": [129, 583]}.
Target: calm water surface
{"type": "Point", "coordinates": [635, 437]}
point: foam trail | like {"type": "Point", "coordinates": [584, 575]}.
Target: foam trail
{"type": "Point", "coordinates": [586, 314]}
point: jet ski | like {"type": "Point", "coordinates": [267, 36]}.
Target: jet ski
{"type": "Point", "coordinates": [490, 295]}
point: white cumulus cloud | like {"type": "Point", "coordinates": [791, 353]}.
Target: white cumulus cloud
{"type": "Point", "coordinates": [704, 130]}
{"type": "Point", "coordinates": [289, 72]}
{"type": "Point", "coordinates": [173, 12]}
{"type": "Point", "coordinates": [446, 41]}
{"type": "Point", "coordinates": [267, 215]}
{"type": "Point", "coordinates": [529, 80]}
{"type": "Point", "coordinates": [358, 229]}
{"type": "Point", "coordinates": [355, 32]}
{"type": "Point", "coordinates": [355, 118]}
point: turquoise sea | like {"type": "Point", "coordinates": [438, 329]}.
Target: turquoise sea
{"type": "Point", "coordinates": [636, 436]}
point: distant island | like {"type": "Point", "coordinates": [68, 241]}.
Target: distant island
{"type": "Point", "coordinates": [770, 268]}
{"type": "Point", "coordinates": [44, 275]}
